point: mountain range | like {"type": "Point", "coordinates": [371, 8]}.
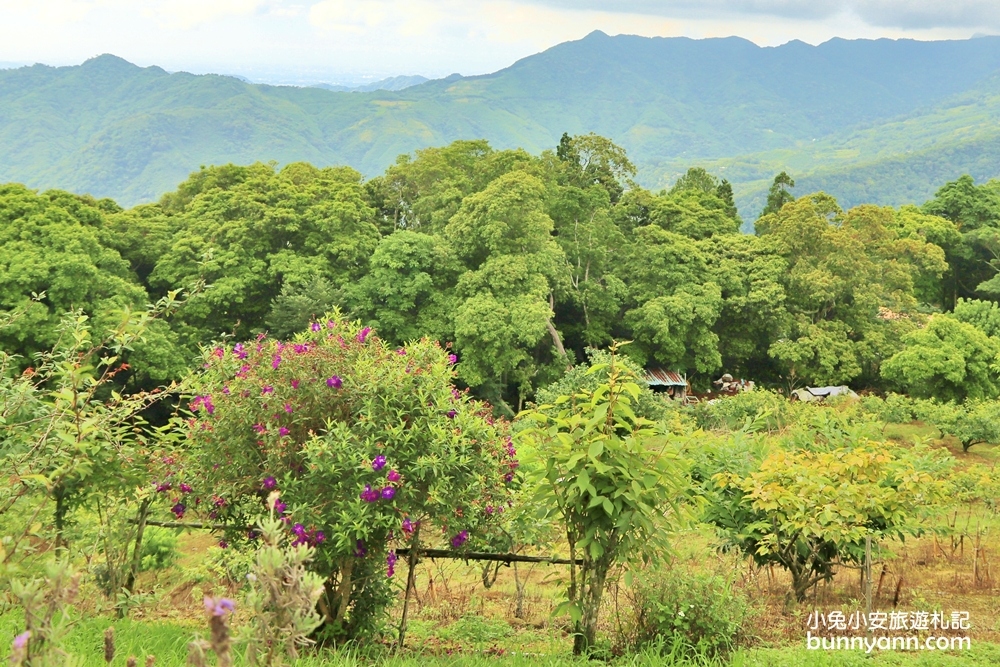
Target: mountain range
{"type": "Point", "coordinates": [886, 121]}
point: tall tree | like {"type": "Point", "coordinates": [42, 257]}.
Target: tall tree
{"type": "Point", "coordinates": [779, 194]}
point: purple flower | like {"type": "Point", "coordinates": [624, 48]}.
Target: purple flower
{"type": "Point", "coordinates": [390, 561]}
{"type": "Point", "coordinates": [363, 334]}
{"type": "Point", "coordinates": [260, 428]}
{"type": "Point", "coordinates": [252, 534]}
{"type": "Point", "coordinates": [223, 545]}
{"type": "Point", "coordinates": [239, 352]}
{"type": "Point", "coordinates": [451, 414]}
{"type": "Point", "coordinates": [270, 483]}
{"type": "Point", "coordinates": [408, 527]}
{"type": "Point", "coordinates": [334, 382]}
{"type": "Point", "coordinates": [369, 495]}
{"type": "Point", "coordinates": [401, 352]}
{"type": "Point", "coordinates": [219, 606]}
{"type": "Point", "coordinates": [219, 501]}
{"type": "Point", "coordinates": [388, 493]}
{"type": "Point", "coordinates": [330, 324]}
{"type": "Point", "coordinates": [185, 488]}
{"type": "Point", "coordinates": [459, 539]}
{"type": "Point", "coordinates": [267, 389]}
{"type": "Point", "coordinates": [378, 463]}
{"type": "Point", "coordinates": [508, 477]}
{"type": "Point", "coordinates": [319, 537]}
{"type": "Point", "coordinates": [178, 510]}
{"type": "Point", "coordinates": [225, 390]}
{"type": "Point", "coordinates": [276, 361]}
{"type": "Point", "coordinates": [452, 359]}
{"type": "Point", "coordinates": [315, 326]}
{"type": "Point", "coordinates": [283, 431]}
{"type": "Point", "coordinates": [393, 476]}
{"type": "Point", "coordinates": [295, 384]}
{"type": "Point", "coordinates": [288, 408]}
{"type": "Point", "coordinates": [299, 530]}
{"type": "Point", "coordinates": [361, 551]}
{"type": "Point", "coordinates": [163, 486]}
{"type": "Point", "coordinates": [280, 507]}
{"type": "Point", "coordinates": [21, 641]}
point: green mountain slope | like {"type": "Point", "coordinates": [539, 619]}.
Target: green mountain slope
{"type": "Point", "coordinates": [113, 129]}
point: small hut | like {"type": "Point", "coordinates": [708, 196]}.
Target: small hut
{"type": "Point", "coordinates": [671, 383]}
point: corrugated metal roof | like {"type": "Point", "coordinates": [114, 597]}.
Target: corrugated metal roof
{"type": "Point", "coordinates": [661, 376]}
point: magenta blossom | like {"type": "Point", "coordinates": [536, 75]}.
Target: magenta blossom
{"type": "Point", "coordinates": [239, 352]}
{"type": "Point", "coordinates": [283, 431]}
{"type": "Point", "coordinates": [218, 501]}
{"type": "Point", "coordinates": [388, 493]}
{"type": "Point", "coordinates": [360, 551]}
{"type": "Point", "coordinates": [401, 352]}
{"type": "Point", "coordinates": [369, 495]}
{"type": "Point", "coordinates": [452, 359]}
{"type": "Point", "coordinates": [334, 382]}
{"type": "Point", "coordinates": [408, 527]}
{"type": "Point", "coordinates": [267, 389]}
{"type": "Point", "coordinates": [378, 463]}
{"type": "Point", "coordinates": [260, 428]}
{"type": "Point", "coordinates": [270, 483]}
{"type": "Point", "coordinates": [393, 476]}
{"type": "Point", "coordinates": [390, 561]}
{"type": "Point", "coordinates": [288, 408]}
{"type": "Point", "coordinates": [460, 539]}
{"type": "Point", "coordinates": [451, 414]}
{"type": "Point", "coordinates": [223, 544]}
{"type": "Point", "coordinates": [163, 486]}
{"type": "Point", "coordinates": [280, 507]}
{"type": "Point", "coordinates": [276, 361]}
{"type": "Point", "coordinates": [315, 326]}
{"type": "Point", "coordinates": [363, 334]}
{"type": "Point", "coordinates": [178, 510]}
{"type": "Point", "coordinates": [185, 488]}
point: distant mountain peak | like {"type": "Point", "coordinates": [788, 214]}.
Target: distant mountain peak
{"type": "Point", "coordinates": [108, 61]}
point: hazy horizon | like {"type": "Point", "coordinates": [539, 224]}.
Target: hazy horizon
{"type": "Point", "coordinates": [301, 42]}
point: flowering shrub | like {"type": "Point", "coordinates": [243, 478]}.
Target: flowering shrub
{"type": "Point", "coordinates": [368, 446]}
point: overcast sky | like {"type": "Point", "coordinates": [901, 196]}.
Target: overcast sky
{"type": "Point", "coordinates": [300, 41]}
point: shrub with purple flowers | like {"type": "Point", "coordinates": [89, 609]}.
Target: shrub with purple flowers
{"type": "Point", "coordinates": [363, 443]}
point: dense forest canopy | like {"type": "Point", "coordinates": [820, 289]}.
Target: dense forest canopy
{"type": "Point", "coordinates": [522, 262]}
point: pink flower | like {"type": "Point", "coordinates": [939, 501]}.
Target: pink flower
{"type": "Point", "coordinates": [276, 361]}
{"type": "Point", "coordinates": [401, 352]}
{"type": "Point", "coordinates": [393, 476]}
{"type": "Point", "coordinates": [260, 428]}
{"type": "Point", "coordinates": [267, 389]}
{"type": "Point", "coordinates": [288, 408]}
{"type": "Point", "coordinates": [283, 431]}
{"type": "Point", "coordinates": [388, 493]}
{"type": "Point", "coordinates": [390, 561]}
{"type": "Point", "coordinates": [270, 483]}
{"type": "Point", "coordinates": [315, 326]}
{"type": "Point", "coordinates": [378, 462]}
{"type": "Point", "coordinates": [219, 352]}
{"type": "Point", "coordinates": [295, 384]}
{"type": "Point", "coordinates": [452, 359]}
{"type": "Point", "coordinates": [334, 382]}
{"type": "Point", "coordinates": [363, 334]}
{"type": "Point", "coordinates": [239, 352]}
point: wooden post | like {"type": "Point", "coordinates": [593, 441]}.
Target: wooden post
{"type": "Point", "coordinates": [868, 580]}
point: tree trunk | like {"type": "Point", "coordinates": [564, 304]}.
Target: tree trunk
{"type": "Point", "coordinates": [133, 571]}
{"type": "Point", "coordinates": [411, 562]}
{"type": "Point", "coordinates": [591, 595]}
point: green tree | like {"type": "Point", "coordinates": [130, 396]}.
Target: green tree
{"type": "Point", "coordinates": [672, 305]}
{"type": "Point", "coordinates": [849, 288]}
{"type": "Point", "coordinates": [808, 511]}
{"type": "Point", "coordinates": [614, 481]}
{"type": "Point", "coordinates": [51, 246]}
{"type": "Point", "coordinates": [948, 359]}
{"type": "Point", "coordinates": [409, 290]}
{"type": "Point", "coordinates": [778, 195]}
{"type": "Point", "coordinates": [250, 231]}
{"type": "Point", "coordinates": [503, 311]}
